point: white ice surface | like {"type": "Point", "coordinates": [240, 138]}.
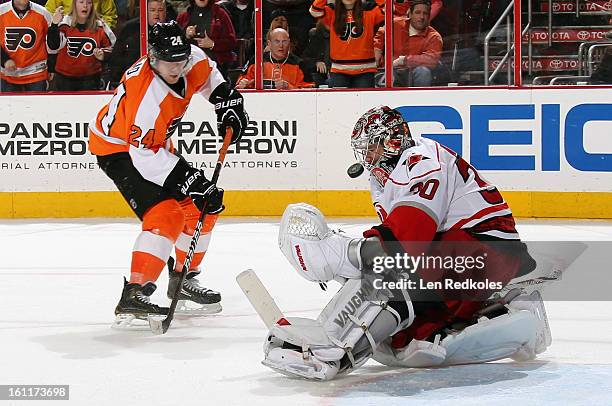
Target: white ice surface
{"type": "Point", "coordinates": [60, 281]}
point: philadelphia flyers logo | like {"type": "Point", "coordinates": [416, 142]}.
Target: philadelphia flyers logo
{"type": "Point", "coordinates": [81, 46]}
{"type": "Point", "coordinates": [173, 125]}
{"type": "Point", "coordinates": [19, 37]}
{"type": "Point", "coordinates": [351, 31]}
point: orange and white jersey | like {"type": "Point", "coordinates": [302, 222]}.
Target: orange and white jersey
{"type": "Point", "coordinates": [352, 52]}
{"type": "Point", "coordinates": [144, 113]}
{"type": "Point", "coordinates": [75, 57]}
{"type": "Point", "coordinates": [434, 184]}
{"type": "Point", "coordinates": [24, 39]}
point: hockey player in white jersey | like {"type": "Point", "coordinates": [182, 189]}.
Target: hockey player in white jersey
{"type": "Point", "coordinates": [424, 193]}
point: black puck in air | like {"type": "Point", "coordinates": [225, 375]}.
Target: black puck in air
{"type": "Point", "coordinates": [355, 170]}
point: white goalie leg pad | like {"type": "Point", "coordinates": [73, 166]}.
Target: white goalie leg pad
{"type": "Point", "coordinates": [348, 317]}
{"type": "Point", "coordinates": [301, 333]}
{"type": "Point", "coordinates": [316, 252]}
{"type": "Point", "coordinates": [508, 336]}
{"type": "Point", "coordinates": [417, 354]}
{"type": "Point", "coordinates": [534, 304]}
{"type": "Point", "coordinates": [343, 337]}
{"type": "Point", "coordinates": [492, 339]}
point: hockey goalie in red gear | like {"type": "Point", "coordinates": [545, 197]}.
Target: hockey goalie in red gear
{"type": "Point", "coordinates": [429, 201]}
{"type": "Point", "coordinates": [131, 138]}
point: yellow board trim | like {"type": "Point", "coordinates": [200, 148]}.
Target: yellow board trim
{"type": "Point", "coordinates": [591, 205]}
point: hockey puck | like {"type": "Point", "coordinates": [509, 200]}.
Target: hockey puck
{"type": "Point", "coordinates": [355, 170]}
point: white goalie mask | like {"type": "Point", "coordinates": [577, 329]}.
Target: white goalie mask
{"type": "Point", "coordinates": [380, 134]}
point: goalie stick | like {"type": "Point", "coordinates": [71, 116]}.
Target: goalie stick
{"type": "Point", "coordinates": [552, 258]}
{"type": "Point", "coordinates": [161, 326]}
{"type": "Point", "coordinates": [259, 297]}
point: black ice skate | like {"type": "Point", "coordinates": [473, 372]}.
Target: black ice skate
{"type": "Point", "coordinates": [134, 306]}
{"type": "Point", "coordinates": [194, 299]}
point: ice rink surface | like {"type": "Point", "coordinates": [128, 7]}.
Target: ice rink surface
{"type": "Point", "coordinates": [60, 281]}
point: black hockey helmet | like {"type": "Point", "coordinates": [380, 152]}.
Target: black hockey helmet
{"type": "Point", "coordinates": [167, 42]}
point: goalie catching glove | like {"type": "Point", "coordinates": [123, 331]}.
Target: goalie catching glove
{"type": "Point", "coordinates": [186, 181]}
{"type": "Point", "coordinates": [229, 106]}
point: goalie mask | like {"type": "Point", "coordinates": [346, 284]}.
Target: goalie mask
{"type": "Point", "coordinates": [380, 134]}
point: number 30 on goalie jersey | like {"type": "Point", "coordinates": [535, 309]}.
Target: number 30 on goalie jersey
{"type": "Point", "coordinates": [437, 182]}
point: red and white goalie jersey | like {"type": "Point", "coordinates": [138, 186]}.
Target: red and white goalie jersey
{"type": "Point", "coordinates": [143, 123]}
{"type": "Point", "coordinates": [432, 190]}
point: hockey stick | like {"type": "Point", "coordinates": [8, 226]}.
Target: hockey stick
{"type": "Point", "coordinates": [161, 326]}
{"type": "Point", "coordinates": [259, 297]}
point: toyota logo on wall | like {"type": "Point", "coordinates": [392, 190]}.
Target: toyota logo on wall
{"type": "Point", "coordinates": [583, 35]}
{"type": "Point", "coordinates": [556, 6]}
{"type": "Point", "coordinates": [556, 64]}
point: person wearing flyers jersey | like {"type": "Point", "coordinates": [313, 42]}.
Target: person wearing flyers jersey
{"type": "Point", "coordinates": [82, 41]}
{"type": "Point", "coordinates": [23, 51]}
{"type": "Point", "coordinates": [131, 138]}
{"type": "Point", "coordinates": [426, 196]}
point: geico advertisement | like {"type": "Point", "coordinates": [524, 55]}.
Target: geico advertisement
{"type": "Point", "coordinates": [47, 151]}
{"type": "Point", "coordinates": [540, 140]}
{"type": "Point", "coordinates": [548, 140]}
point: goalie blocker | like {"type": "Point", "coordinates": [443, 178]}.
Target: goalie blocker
{"type": "Point", "coordinates": [353, 328]}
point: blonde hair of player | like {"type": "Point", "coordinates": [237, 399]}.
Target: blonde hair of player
{"type": "Point", "coordinates": [91, 23]}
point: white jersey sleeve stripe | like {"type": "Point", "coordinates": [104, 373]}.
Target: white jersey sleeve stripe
{"type": "Point", "coordinates": [113, 140]}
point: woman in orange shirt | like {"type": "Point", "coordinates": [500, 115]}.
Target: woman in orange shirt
{"type": "Point", "coordinates": [351, 38]}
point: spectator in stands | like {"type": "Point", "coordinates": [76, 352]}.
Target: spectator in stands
{"type": "Point", "coordinates": [602, 75]}
{"type": "Point", "coordinates": [351, 40]}
{"type": "Point", "coordinates": [127, 48]}
{"type": "Point", "coordinates": [280, 20]}
{"type": "Point", "coordinates": [281, 68]}
{"type": "Point", "coordinates": [242, 14]}
{"type": "Point", "coordinates": [298, 17]}
{"type": "Point", "coordinates": [82, 41]}
{"type": "Point", "coordinates": [209, 27]}
{"type": "Point", "coordinates": [316, 55]}
{"type": "Point", "coordinates": [401, 8]}
{"type": "Point", "coordinates": [130, 9]}
{"type": "Point", "coordinates": [106, 9]}
{"type": "Point", "coordinates": [416, 46]}
{"type": "Point", "coordinates": [24, 54]}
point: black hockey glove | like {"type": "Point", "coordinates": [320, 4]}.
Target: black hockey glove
{"type": "Point", "coordinates": [229, 106]}
{"type": "Point", "coordinates": [184, 180]}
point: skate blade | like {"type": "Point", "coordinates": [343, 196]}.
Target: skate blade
{"type": "Point", "coordinates": [132, 322]}
{"type": "Point", "coordinates": [189, 308]}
